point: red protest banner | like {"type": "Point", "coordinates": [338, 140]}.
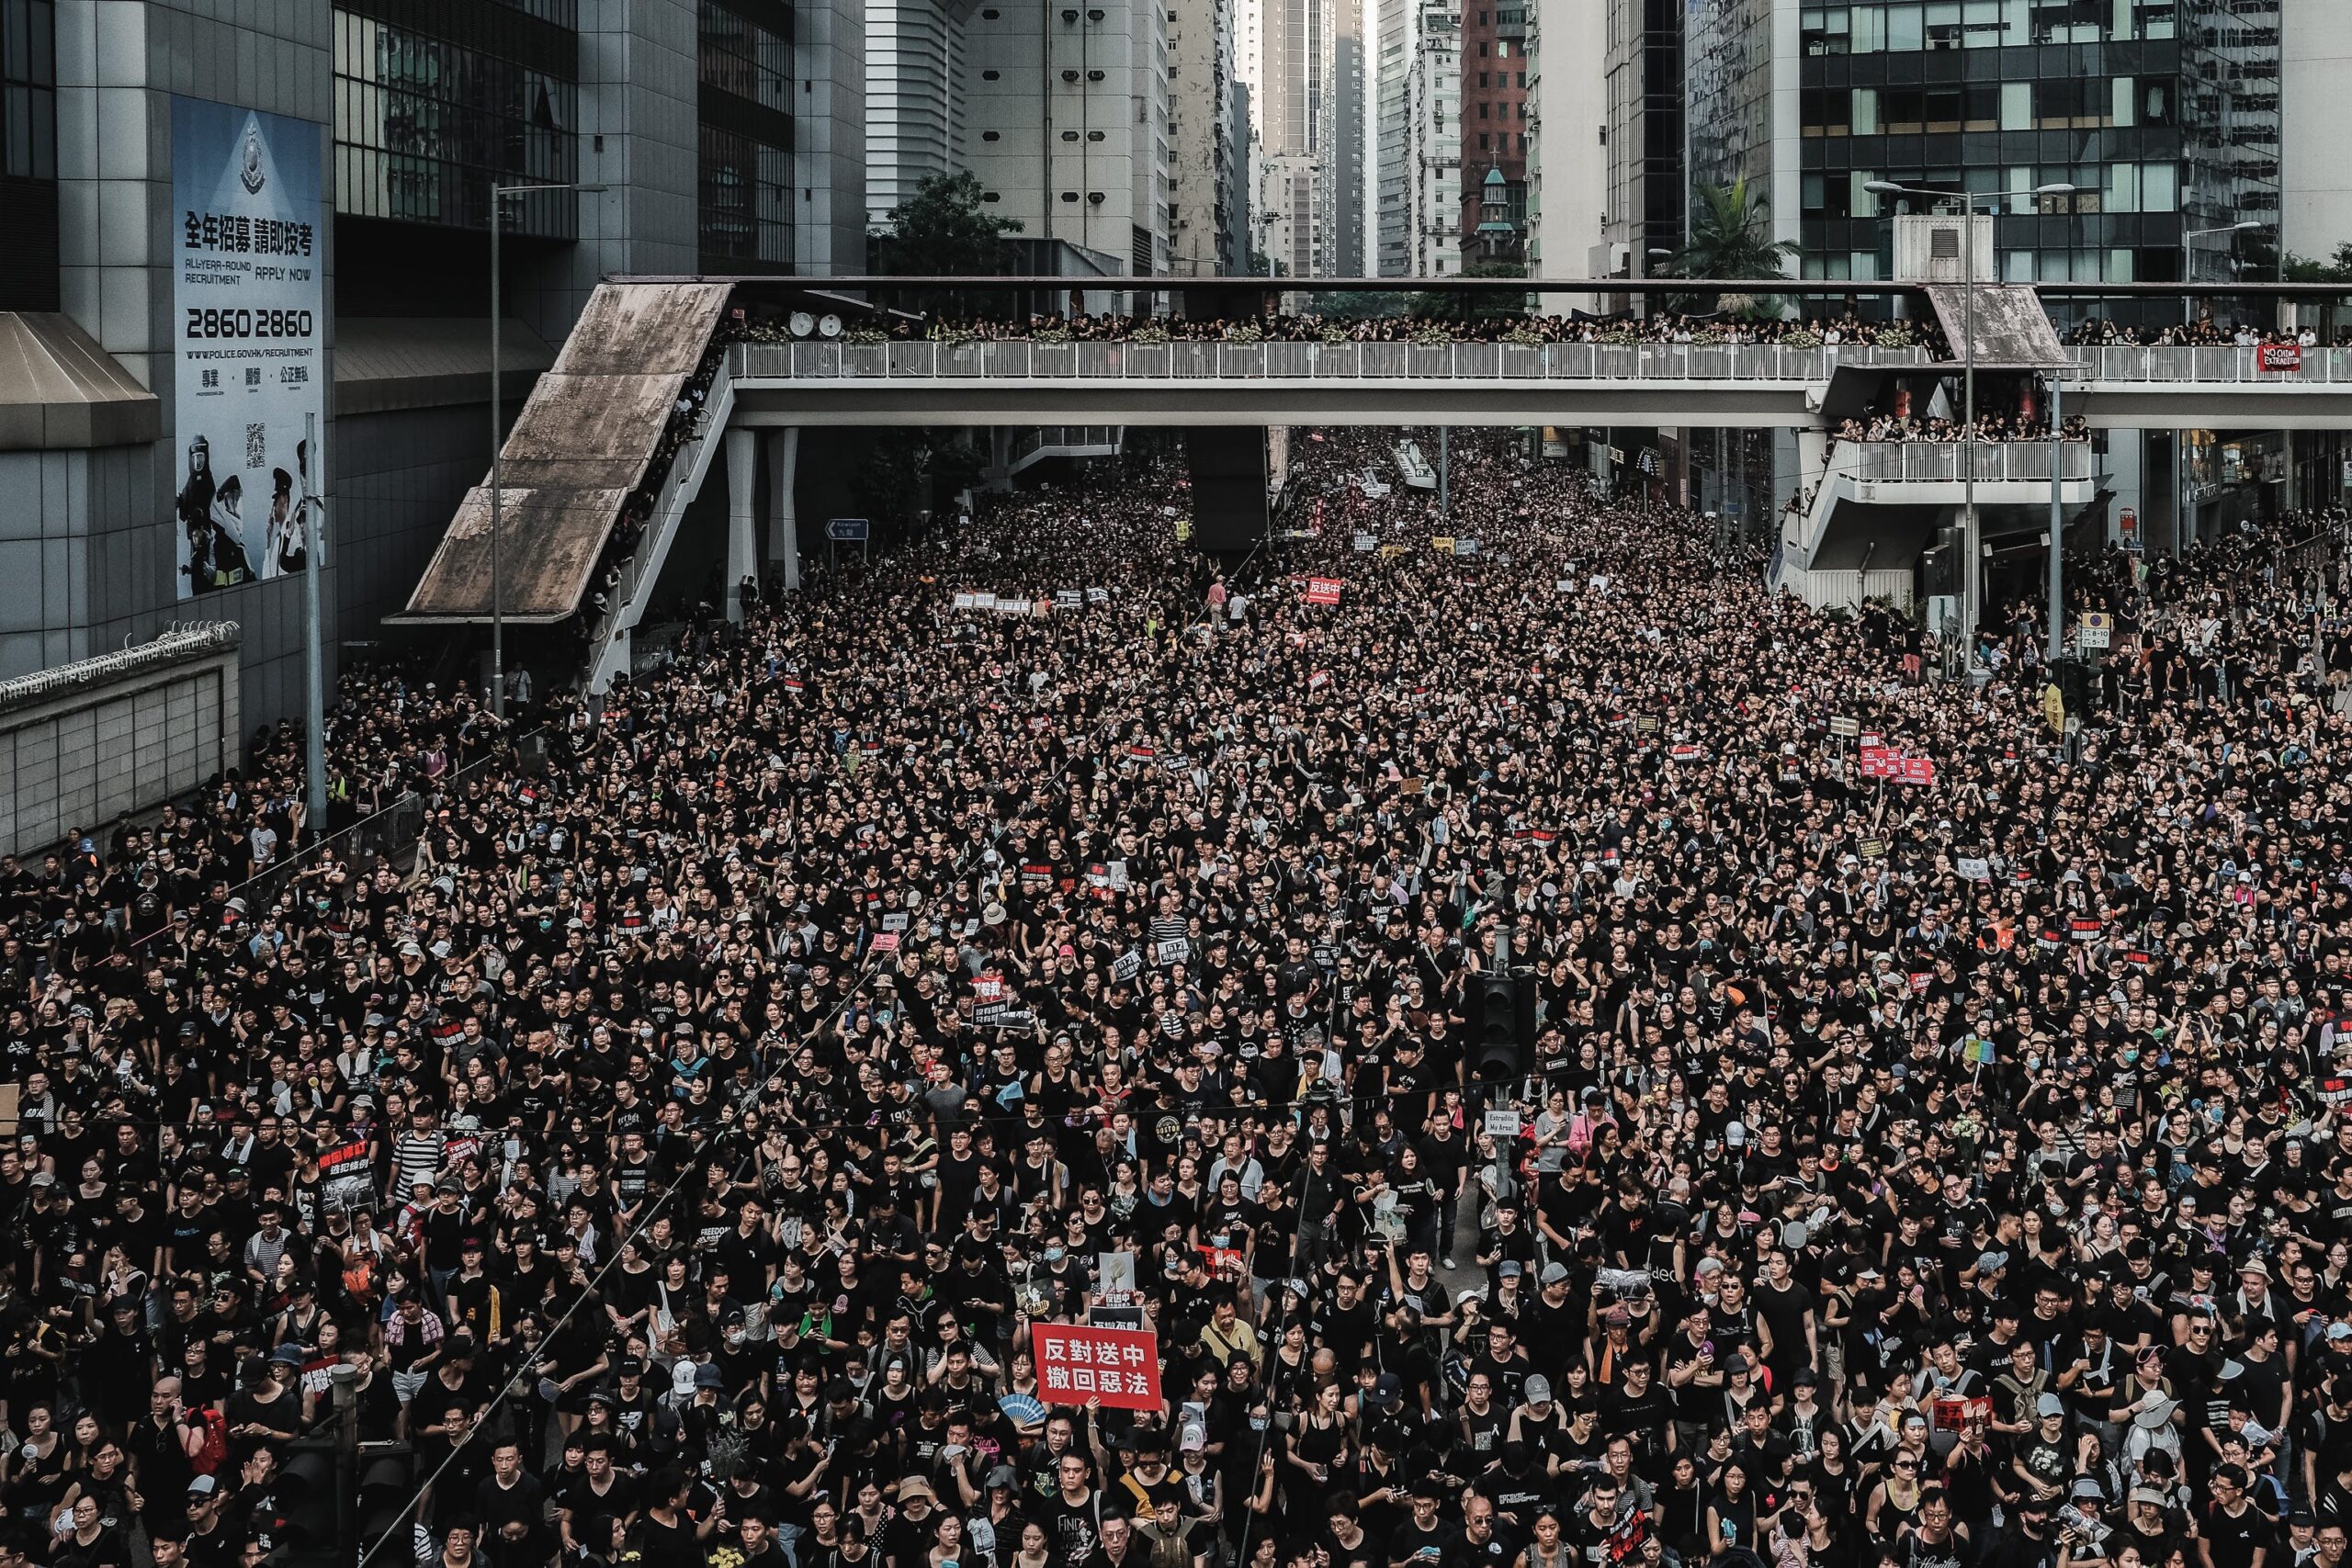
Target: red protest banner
{"type": "Point", "coordinates": [1075, 1363]}
{"type": "Point", "coordinates": [2279, 356]}
{"type": "Point", "coordinates": [1918, 770]}
{"type": "Point", "coordinates": [1323, 589]}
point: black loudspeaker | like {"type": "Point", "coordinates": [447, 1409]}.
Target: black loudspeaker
{"type": "Point", "coordinates": [1502, 1027]}
{"type": "Point", "coordinates": [1228, 469]}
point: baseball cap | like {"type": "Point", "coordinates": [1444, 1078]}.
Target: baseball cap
{"type": "Point", "coordinates": [1538, 1390]}
{"type": "Point", "coordinates": [2050, 1404]}
{"type": "Point", "coordinates": [1554, 1273]}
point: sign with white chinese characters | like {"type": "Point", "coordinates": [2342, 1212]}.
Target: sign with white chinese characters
{"type": "Point", "coordinates": [1118, 1366]}
{"type": "Point", "coordinates": [248, 316]}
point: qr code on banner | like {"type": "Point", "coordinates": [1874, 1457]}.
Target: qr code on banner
{"type": "Point", "coordinates": [257, 445]}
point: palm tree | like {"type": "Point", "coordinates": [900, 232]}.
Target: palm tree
{"type": "Point", "coordinates": [1727, 239]}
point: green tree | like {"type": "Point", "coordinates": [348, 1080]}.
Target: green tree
{"type": "Point", "coordinates": [1472, 304]}
{"type": "Point", "coordinates": [1376, 307]}
{"type": "Point", "coordinates": [945, 230]}
{"type": "Point", "coordinates": [2303, 269]}
{"type": "Point", "coordinates": [1729, 225]}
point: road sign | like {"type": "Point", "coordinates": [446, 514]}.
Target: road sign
{"type": "Point", "coordinates": [846, 530]}
{"type": "Point", "coordinates": [2094, 631]}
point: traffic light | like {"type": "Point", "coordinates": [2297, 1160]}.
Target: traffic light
{"type": "Point", "coordinates": [1502, 1027]}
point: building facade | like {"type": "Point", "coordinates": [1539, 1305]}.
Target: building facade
{"type": "Point", "coordinates": [1644, 210]}
{"type": "Point", "coordinates": [1351, 82]}
{"type": "Point", "coordinates": [2164, 115]}
{"type": "Point", "coordinates": [1494, 129]}
{"type": "Point", "coordinates": [334, 162]}
{"type": "Point", "coordinates": [1069, 118]}
{"type": "Point", "coordinates": [1204, 165]}
{"type": "Point", "coordinates": [1568, 132]}
{"type": "Point", "coordinates": [1433, 143]}
{"type": "Point", "coordinates": [915, 71]}
{"type": "Point", "coordinates": [1293, 209]}
{"type": "Point", "coordinates": [1392, 226]}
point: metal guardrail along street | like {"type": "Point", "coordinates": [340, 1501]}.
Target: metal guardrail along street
{"type": "Point", "coordinates": [1026, 359]}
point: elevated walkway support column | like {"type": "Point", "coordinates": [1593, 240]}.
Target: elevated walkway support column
{"type": "Point", "coordinates": [784, 519]}
{"type": "Point", "coordinates": [743, 539]}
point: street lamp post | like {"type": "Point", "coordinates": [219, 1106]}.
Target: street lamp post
{"type": "Point", "coordinates": [2189, 264]}
{"type": "Point", "coordinates": [498, 194]}
{"type": "Point", "coordinates": [2184, 496]}
{"type": "Point", "coordinates": [1971, 551]}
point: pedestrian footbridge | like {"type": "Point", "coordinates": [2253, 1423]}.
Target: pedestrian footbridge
{"type": "Point", "coordinates": [1877, 504]}
{"type": "Point", "coordinates": [659, 380]}
{"type": "Point", "coordinates": [1020, 382]}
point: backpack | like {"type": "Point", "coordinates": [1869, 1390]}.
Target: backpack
{"type": "Point", "coordinates": [215, 1451]}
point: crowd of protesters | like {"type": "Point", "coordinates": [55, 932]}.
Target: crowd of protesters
{"type": "Point", "coordinates": [2203, 332]}
{"type": "Point", "coordinates": [679, 1156]}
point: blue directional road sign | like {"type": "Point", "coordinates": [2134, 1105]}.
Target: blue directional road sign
{"type": "Point", "coordinates": [846, 530]}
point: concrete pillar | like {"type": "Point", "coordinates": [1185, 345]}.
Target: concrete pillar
{"type": "Point", "coordinates": [742, 539]}
{"type": "Point", "coordinates": [784, 519]}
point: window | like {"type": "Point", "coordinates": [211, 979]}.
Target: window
{"type": "Point", "coordinates": [1907, 28]}
{"type": "Point", "coordinates": [1865, 111]}
{"type": "Point", "coordinates": [29, 89]}
{"type": "Point", "coordinates": [2016, 105]}
{"type": "Point", "coordinates": [2017, 266]}
{"type": "Point", "coordinates": [2159, 187]}
{"type": "Point", "coordinates": [2121, 193]}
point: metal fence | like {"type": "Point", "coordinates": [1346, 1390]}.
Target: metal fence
{"type": "Point", "coordinates": [1949, 461]}
{"type": "Point", "coordinates": [1022, 359]}
{"type": "Point", "coordinates": [1025, 359]}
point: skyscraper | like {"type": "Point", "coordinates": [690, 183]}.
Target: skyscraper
{"type": "Point", "coordinates": [1433, 154]}
{"type": "Point", "coordinates": [915, 71]}
{"type": "Point", "coordinates": [1392, 137]}
{"type": "Point", "coordinates": [1068, 124]}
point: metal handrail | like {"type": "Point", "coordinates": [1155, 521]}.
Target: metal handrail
{"type": "Point", "coordinates": [1209, 360]}
{"type": "Point", "coordinates": [1948, 462]}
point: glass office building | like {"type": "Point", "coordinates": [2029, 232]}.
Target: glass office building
{"type": "Point", "coordinates": [29, 276]}
{"type": "Point", "coordinates": [434, 104]}
{"type": "Point", "coordinates": [2163, 114]}
{"type": "Point", "coordinates": [744, 71]}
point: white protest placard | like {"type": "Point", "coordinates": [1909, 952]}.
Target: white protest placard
{"type": "Point", "coordinates": [1502, 1124]}
{"type": "Point", "coordinates": [1974, 868]}
{"type": "Point", "coordinates": [1367, 543]}
{"type": "Point", "coordinates": [966, 601]}
{"type": "Point", "coordinates": [1173, 950]}
{"type": "Point", "coordinates": [1127, 966]}
{"type": "Point", "coordinates": [1098, 597]}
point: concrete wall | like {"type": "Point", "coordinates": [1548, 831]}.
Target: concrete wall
{"type": "Point", "coordinates": [83, 745]}
{"type": "Point", "coordinates": [1568, 171]}
{"type": "Point", "coordinates": [2316, 199]}
{"type": "Point", "coordinates": [109, 551]}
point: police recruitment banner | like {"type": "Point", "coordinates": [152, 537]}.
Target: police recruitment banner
{"type": "Point", "coordinates": [248, 313]}
{"type": "Point", "coordinates": [1075, 1363]}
